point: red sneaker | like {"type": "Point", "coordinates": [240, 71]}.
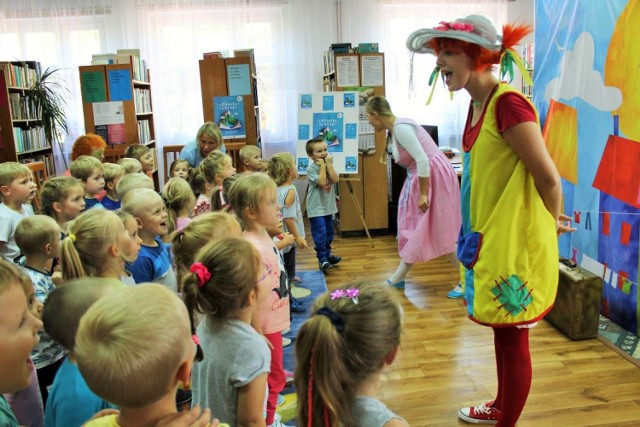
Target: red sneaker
{"type": "Point", "coordinates": [481, 414]}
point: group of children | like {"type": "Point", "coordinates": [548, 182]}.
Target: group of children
{"type": "Point", "coordinates": [226, 244]}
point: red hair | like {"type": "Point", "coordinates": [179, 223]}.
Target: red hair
{"type": "Point", "coordinates": [482, 58]}
{"type": "Point", "coordinates": [85, 145]}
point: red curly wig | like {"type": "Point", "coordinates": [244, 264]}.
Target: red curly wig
{"type": "Point", "coordinates": [86, 145]}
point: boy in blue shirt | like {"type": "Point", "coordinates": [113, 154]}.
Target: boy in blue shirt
{"type": "Point", "coordinates": [90, 171]}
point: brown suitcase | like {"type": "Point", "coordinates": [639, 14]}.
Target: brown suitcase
{"type": "Point", "coordinates": [577, 308]}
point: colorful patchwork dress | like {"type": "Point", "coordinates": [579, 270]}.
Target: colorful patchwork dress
{"type": "Point", "coordinates": [508, 241]}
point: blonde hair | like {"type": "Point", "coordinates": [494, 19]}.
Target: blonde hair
{"type": "Point", "coordinates": [124, 217]}
{"type": "Point", "coordinates": [135, 199]}
{"type": "Point", "coordinates": [34, 232]}
{"type": "Point", "coordinates": [212, 130]}
{"type": "Point", "coordinates": [85, 250]}
{"type": "Point", "coordinates": [10, 171]}
{"type": "Point", "coordinates": [247, 192]}
{"type": "Point", "coordinates": [112, 172]}
{"type": "Point", "coordinates": [233, 264]}
{"type": "Point", "coordinates": [177, 195]}
{"type": "Point", "coordinates": [84, 166]}
{"type": "Point", "coordinates": [213, 164]}
{"type": "Point", "coordinates": [11, 274]}
{"type": "Point", "coordinates": [135, 151]}
{"type": "Point", "coordinates": [130, 165]}
{"type": "Point", "coordinates": [203, 229]}
{"type": "Point", "coordinates": [280, 166]}
{"type": "Point", "coordinates": [379, 105]}
{"type": "Point", "coordinates": [67, 304]}
{"type": "Point", "coordinates": [129, 346]}
{"type": "Point", "coordinates": [248, 151]}
{"type": "Point", "coordinates": [220, 196]}
{"type": "Point", "coordinates": [56, 190]}
{"type": "Point", "coordinates": [338, 349]}
{"type": "Point", "coordinates": [133, 181]}
{"type": "Point", "coordinates": [197, 181]}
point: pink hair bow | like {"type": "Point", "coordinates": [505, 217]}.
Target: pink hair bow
{"type": "Point", "coordinates": [200, 270]}
{"type": "Point", "coordinates": [346, 293]}
{"type": "Point", "coordinates": [458, 26]}
{"type": "Point", "coordinates": [195, 339]}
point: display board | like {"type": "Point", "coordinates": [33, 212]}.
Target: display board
{"type": "Point", "coordinates": [333, 116]}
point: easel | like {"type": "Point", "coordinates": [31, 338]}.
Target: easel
{"type": "Point", "coordinates": [348, 179]}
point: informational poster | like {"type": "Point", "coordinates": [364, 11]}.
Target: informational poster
{"type": "Point", "coordinates": [238, 79]}
{"type": "Point", "coordinates": [372, 69]}
{"type": "Point", "coordinates": [228, 113]}
{"type": "Point", "coordinates": [120, 85]}
{"type": "Point", "coordinates": [93, 88]}
{"type": "Point", "coordinates": [108, 113]}
{"type": "Point", "coordinates": [337, 126]}
{"type": "Point", "coordinates": [347, 73]}
{"type": "Point", "coordinates": [366, 132]}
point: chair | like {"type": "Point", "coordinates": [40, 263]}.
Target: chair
{"type": "Point", "coordinates": [233, 150]}
{"type": "Point", "coordinates": [113, 154]}
{"type": "Point", "coordinates": [172, 151]}
{"type": "Point", "coordinates": [39, 176]}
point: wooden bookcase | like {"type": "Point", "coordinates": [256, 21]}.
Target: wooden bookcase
{"type": "Point", "coordinates": [370, 183]}
{"type": "Point", "coordinates": [112, 87]}
{"type": "Point", "coordinates": [214, 82]}
{"type": "Point", "coordinates": [22, 136]}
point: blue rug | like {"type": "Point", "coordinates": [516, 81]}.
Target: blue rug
{"type": "Point", "coordinates": [315, 282]}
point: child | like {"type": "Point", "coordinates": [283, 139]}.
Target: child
{"type": "Point", "coordinates": [143, 154]}
{"type": "Point", "coordinates": [112, 174]}
{"type": "Point", "coordinates": [26, 404]}
{"type": "Point", "coordinates": [130, 165]}
{"type": "Point", "coordinates": [199, 187]}
{"type": "Point", "coordinates": [90, 171]}
{"type": "Point", "coordinates": [202, 230]}
{"type": "Point", "coordinates": [179, 201]}
{"type": "Point", "coordinates": [38, 238]}
{"type": "Point", "coordinates": [321, 201]}
{"type": "Point", "coordinates": [62, 199]}
{"type": "Point", "coordinates": [131, 247]}
{"type": "Point", "coordinates": [17, 189]}
{"type": "Point", "coordinates": [179, 168]}
{"type": "Point", "coordinates": [215, 168]}
{"type": "Point", "coordinates": [93, 247]}
{"type": "Point", "coordinates": [133, 349]}
{"type": "Point", "coordinates": [254, 200]}
{"type": "Point", "coordinates": [341, 351]}
{"type": "Point", "coordinates": [232, 376]}
{"type": "Point", "coordinates": [154, 259]}
{"type": "Point", "coordinates": [282, 169]}
{"type": "Point", "coordinates": [221, 194]}
{"type": "Point", "coordinates": [70, 402]}
{"type": "Point", "coordinates": [18, 332]}
{"type": "Point", "coordinates": [131, 182]}
{"type": "Point", "coordinates": [251, 158]}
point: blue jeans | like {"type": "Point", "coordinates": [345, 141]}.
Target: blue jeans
{"type": "Point", "coordinates": [322, 232]}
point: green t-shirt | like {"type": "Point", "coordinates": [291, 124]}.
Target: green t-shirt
{"type": "Point", "coordinates": [6, 414]}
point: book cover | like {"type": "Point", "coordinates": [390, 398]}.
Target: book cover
{"type": "Point", "coordinates": [228, 112]}
{"type": "Point", "coordinates": [330, 127]}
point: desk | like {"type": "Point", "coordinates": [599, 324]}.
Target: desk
{"type": "Point", "coordinates": [456, 162]}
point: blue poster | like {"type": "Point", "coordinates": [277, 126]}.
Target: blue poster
{"type": "Point", "coordinates": [238, 79]}
{"type": "Point", "coordinates": [303, 132]}
{"type": "Point", "coordinates": [349, 100]}
{"type": "Point", "coordinates": [305, 101]}
{"type": "Point", "coordinates": [351, 131]}
{"type": "Point", "coordinates": [330, 127]}
{"type": "Point", "coordinates": [327, 103]}
{"type": "Point", "coordinates": [119, 85]}
{"type": "Point", "coordinates": [303, 164]}
{"type": "Point", "coordinates": [228, 113]}
{"type": "Point", "coordinates": [350, 164]}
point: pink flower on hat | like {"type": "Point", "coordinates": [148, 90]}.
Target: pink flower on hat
{"type": "Point", "coordinates": [458, 26]}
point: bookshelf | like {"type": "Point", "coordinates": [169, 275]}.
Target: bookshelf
{"type": "Point", "coordinates": [366, 70]}
{"type": "Point", "coordinates": [22, 137]}
{"type": "Point", "coordinates": [229, 84]}
{"type": "Point", "coordinates": [119, 107]}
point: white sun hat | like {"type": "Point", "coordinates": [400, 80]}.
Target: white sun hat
{"type": "Point", "coordinates": [474, 29]}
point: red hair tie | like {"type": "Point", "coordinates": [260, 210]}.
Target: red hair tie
{"type": "Point", "coordinates": [200, 270]}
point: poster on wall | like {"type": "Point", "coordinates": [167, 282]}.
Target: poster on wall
{"type": "Point", "coordinates": [228, 113]}
{"type": "Point", "coordinates": [332, 116]}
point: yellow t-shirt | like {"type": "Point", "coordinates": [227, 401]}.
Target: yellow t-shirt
{"type": "Point", "coordinates": [106, 421]}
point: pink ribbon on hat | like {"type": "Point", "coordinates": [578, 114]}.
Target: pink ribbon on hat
{"type": "Point", "coordinates": [200, 270]}
{"type": "Point", "coordinates": [458, 26]}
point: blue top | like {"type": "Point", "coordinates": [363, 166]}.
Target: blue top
{"type": "Point", "coordinates": [154, 265]}
{"type": "Point", "coordinates": [112, 205]}
{"type": "Point", "coordinates": [7, 419]}
{"type": "Point", "coordinates": [191, 153]}
{"type": "Point", "coordinates": [92, 203]}
{"type": "Point", "coordinates": [71, 403]}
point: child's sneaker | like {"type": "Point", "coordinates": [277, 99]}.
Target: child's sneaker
{"type": "Point", "coordinates": [334, 259]}
{"type": "Point", "coordinates": [286, 342]}
{"type": "Point", "coordinates": [481, 414]}
{"type": "Point", "coordinates": [297, 279]}
{"type": "Point", "coordinates": [297, 306]}
{"type": "Point", "coordinates": [456, 292]}
{"type": "Point", "coordinates": [325, 265]}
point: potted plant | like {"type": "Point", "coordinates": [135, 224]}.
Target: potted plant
{"type": "Point", "coordinates": [48, 101]}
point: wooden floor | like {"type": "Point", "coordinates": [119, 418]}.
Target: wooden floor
{"type": "Point", "coordinates": [447, 361]}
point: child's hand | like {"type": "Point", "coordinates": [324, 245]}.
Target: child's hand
{"type": "Point", "coordinates": [102, 413]}
{"type": "Point", "coordinates": [288, 238]}
{"type": "Point", "coordinates": [301, 243]}
{"type": "Point", "coordinates": [563, 225]}
{"type": "Point", "coordinates": [328, 159]}
{"type": "Point", "coordinates": [319, 161]}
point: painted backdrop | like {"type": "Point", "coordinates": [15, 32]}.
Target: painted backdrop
{"type": "Point", "coordinates": [587, 90]}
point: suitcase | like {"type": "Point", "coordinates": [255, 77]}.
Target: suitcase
{"type": "Point", "coordinates": [577, 308]}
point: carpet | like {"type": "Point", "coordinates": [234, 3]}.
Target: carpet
{"type": "Point", "coordinates": [314, 282]}
{"type": "Point", "coordinates": [620, 340]}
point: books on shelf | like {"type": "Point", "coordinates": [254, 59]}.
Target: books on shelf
{"type": "Point", "coordinates": [29, 139]}
{"type": "Point", "coordinates": [209, 55]}
{"type": "Point", "coordinates": [124, 56]}
{"type": "Point", "coordinates": [142, 98]}
{"type": "Point", "coordinates": [22, 107]}
{"type": "Point", "coordinates": [20, 74]}
{"type": "Point", "coordinates": [144, 132]}
{"type": "Point", "coordinates": [47, 159]}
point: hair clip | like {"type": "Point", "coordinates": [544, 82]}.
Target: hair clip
{"type": "Point", "coordinates": [195, 339]}
{"type": "Point", "coordinates": [200, 270]}
{"type": "Point", "coordinates": [352, 293]}
{"type": "Point", "coordinates": [72, 237]}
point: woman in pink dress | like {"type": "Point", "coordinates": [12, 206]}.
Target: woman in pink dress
{"type": "Point", "coordinates": [429, 207]}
